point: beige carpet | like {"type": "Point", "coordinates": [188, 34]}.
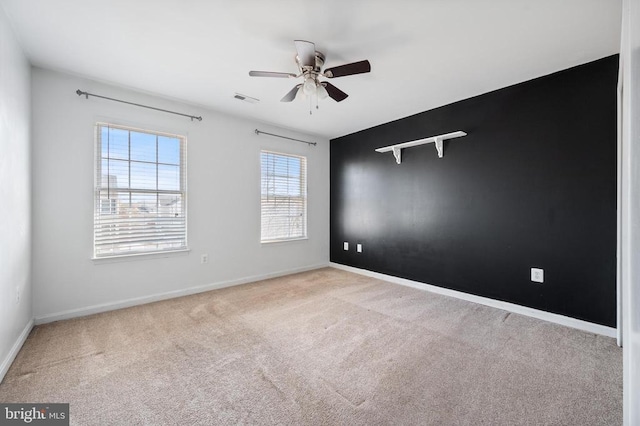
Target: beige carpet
{"type": "Point", "coordinates": [321, 347]}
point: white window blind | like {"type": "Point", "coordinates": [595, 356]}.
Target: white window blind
{"type": "Point", "coordinates": [140, 191]}
{"type": "Point", "coordinates": [283, 196]}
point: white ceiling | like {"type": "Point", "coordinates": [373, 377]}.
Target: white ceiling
{"type": "Point", "coordinates": [423, 54]}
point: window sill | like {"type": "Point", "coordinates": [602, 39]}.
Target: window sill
{"type": "Point", "coordinates": [284, 241]}
{"type": "Point", "coordinates": [140, 256]}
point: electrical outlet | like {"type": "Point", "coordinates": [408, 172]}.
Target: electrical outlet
{"type": "Point", "coordinates": [345, 245]}
{"type": "Point", "coordinates": [537, 275]}
{"type": "Point", "coordinates": [359, 248]}
{"type": "Point", "coordinates": [18, 295]}
{"type": "Point", "coordinates": [204, 258]}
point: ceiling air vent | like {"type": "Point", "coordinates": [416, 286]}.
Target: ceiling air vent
{"type": "Point", "coordinates": [246, 98]}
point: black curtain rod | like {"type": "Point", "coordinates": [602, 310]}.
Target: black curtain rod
{"type": "Point", "coordinates": [87, 94]}
{"type": "Point", "coordinates": [258, 132]}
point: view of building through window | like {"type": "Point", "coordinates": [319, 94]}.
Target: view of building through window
{"type": "Point", "coordinates": [140, 195]}
{"type": "Point", "coordinates": [283, 196]}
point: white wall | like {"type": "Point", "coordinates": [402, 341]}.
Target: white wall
{"type": "Point", "coordinates": [630, 54]}
{"type": "Point", "coordinates": [223, 200]}
{"type": "Point", "coordinates": [15, 187]}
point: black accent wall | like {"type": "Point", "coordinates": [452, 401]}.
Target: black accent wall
{"type": "Point", "coordinates": [533, 184]}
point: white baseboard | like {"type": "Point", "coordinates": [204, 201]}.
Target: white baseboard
{"type": "Point", "coordinates": [6, 363]}
{"type": "Point", "coordinates": [506, 306]}
{"type": "Point", "coordinates": [111, 306]}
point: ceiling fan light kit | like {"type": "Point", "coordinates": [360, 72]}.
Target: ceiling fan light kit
{"type": "Point", "coordinates": [310, 63]}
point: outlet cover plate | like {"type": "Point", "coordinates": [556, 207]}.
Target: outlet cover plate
{"type": "Point", "coordinates": [537, 275]}
{"type": "Point", "coordinates": [345, 245]}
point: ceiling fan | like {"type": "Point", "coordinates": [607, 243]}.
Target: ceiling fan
{"type": "Point", "coordinates": [310, 64]}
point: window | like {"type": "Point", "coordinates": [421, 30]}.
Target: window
{"type": "Point", "coordinates": [283, 196]}
{"type": "Point", "coordinates": [108, 206]}
{"type": "Point", "coordinates": [140, 192]}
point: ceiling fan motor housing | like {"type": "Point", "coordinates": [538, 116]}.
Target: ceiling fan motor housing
{"type": "Point", "coordinates": [318, 66]}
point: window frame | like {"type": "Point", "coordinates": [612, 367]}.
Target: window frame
{"type": "Point", "coordinates": [99, 189]}
{"type": "Point", "coordinates": [305, 198]}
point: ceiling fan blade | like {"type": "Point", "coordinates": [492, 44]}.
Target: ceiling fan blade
{"type": "Point", "coordinates": [306, 53]}
{"type": "Point", "coordinates": [271, 74]}
{"type": "Point", "coordinates": [348, 69]}
{"type": "Point", "coordinates": [292, 94]}
{"type": "Point", "coordinates": [335, 93]}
